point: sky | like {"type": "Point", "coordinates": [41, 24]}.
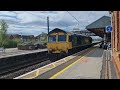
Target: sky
{"type": "Point", "coordinates": [35, 22]}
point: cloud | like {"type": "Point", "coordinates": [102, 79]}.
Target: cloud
{"type": "Point", "coordinates": [8, 13]}
{"type": "Point", "coordinates": [35, 22]}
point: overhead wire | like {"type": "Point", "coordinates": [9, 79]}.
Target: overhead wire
{"type": "Point", "coordinates": [75, 18]}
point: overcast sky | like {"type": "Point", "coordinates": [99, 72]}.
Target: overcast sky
{"type": "Point", "coordinates": [35, 22]}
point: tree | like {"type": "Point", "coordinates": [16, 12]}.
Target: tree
{"type": "Point", "coordinates": [3, 31]}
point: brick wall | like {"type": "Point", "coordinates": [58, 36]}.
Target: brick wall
{"type": "Point", "coordinates": [116, 38]}
{"type": "Point", "coordinates": [116, 30]}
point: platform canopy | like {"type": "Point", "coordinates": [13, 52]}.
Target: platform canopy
{"type": "Point", "coordinates": [98, 26]}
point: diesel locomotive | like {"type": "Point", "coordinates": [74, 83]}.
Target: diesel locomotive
{"type": "Point", "coordinates": [62, 42]}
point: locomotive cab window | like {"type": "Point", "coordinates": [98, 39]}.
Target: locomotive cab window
{"type": "Point", "coordinates": [61, 38]}
{"type": "Point", "coordinates": [52, 38]}
{"type": "Point", "coordinates": [70, 38]}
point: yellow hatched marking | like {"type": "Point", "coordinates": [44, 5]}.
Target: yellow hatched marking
{"type": "Point", "coordinates": [37, 72]}
{"type": "Point", "coordinates": [53, 65]}
{"type": "Point", "coordinates": [65, 60]}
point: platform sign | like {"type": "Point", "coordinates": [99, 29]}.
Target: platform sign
{"type": "Point", "coordinates": [108, 28]}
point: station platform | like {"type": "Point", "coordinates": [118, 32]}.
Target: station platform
{"type": "Point", "coordinates": [96, 64]}
{"type": "Point", "coordinates": [14, 52]}
{"type": "Point", "coordinates": [84, 68]}
{"type": "Point", "coordinates": [92, 63]}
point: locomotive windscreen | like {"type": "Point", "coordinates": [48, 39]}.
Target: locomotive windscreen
{"type": "Point", "coordinates": [61, 38]}
{"type": "Point", "coordinates": [52, 38]}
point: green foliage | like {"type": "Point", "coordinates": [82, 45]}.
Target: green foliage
{"type": "Point", "coordinates": [18, 40]}
{"type": "Point", "coordinates": [4, 41]}
{"type": "Point", "coordinates": [10, 44]}
{"type": "Point", "coordinates": [3, 30]}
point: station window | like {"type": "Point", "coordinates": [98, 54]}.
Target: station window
{"type": "Point", "coordinates": [52, 38]}
{"type": "Point", "coordinates": [61, 38]}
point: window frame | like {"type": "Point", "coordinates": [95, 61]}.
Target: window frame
{"type": "Point", "coordinates": [49, 38]}
{"type": "Point", "coordinates": [65, 38]}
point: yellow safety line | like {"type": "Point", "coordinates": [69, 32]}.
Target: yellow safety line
{"type": "Point", "coordinates": [57, 74]}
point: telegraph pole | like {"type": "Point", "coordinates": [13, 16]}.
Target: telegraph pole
{"type": "Point", "coordinates": [48, 23]}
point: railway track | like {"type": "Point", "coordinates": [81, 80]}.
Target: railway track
{"type": "Point", "coordinates": [5, 72]}
{"type": "Point", "coordinates": [18, 68]}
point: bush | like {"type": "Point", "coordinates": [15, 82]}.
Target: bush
{"type": "Point", "coordinates": [10, 44]}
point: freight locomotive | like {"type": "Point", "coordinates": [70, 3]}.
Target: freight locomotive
{"type": "Point", "coordinates": [62, 42]}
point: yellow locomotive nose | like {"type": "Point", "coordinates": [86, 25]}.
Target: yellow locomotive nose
{"type": "Point", "coordinates": [57, 47]}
